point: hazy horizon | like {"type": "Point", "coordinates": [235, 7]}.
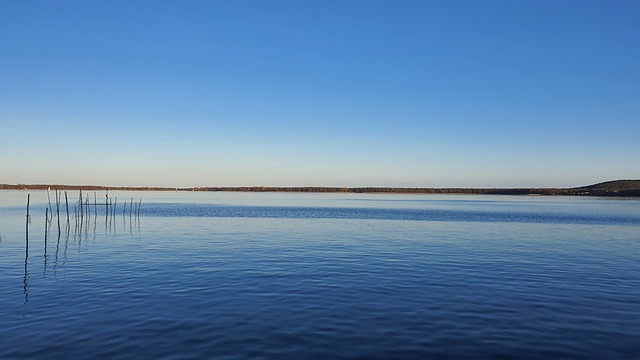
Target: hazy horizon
{"type": "Point", "coordinates": [332, 93]}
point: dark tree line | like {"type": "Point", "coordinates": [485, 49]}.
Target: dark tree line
{"type": "Point", "coordinates": [612, 188]}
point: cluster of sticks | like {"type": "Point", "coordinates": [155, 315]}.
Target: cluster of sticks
{"type": "Point", "coordinates": [82, 215]}
{"type": "Point", "coordinates": [82, 210]}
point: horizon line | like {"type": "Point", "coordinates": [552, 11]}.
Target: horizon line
{"type": "Point", "coordinates": [607, 188]}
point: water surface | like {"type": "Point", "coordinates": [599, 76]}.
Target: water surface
{"type": "Point", "coordinates": [236, 275]}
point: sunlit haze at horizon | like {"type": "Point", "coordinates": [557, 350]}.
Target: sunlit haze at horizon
{"type": "Point", "coordinates": [326, 93]}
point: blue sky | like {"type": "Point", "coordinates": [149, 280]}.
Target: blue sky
{"type": "Point", "coordinates": [319, 93]}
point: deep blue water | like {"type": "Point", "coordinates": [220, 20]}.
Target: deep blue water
{"type": "Point", "coordinates": [364, 213]}
{"type": "Point", "coordinates": [347, 276]}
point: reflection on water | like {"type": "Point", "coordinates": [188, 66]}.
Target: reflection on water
{"type": "Point", "coordinates": [25, 284]}
{"type": "Point", "coordinates": [82, 231]}
{"type": "Point", "coordinates": [26, 253]}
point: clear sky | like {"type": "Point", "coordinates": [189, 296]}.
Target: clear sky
{"type": "Point", "coordinates": [320, 93]}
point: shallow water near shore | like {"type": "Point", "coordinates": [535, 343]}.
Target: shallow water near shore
{"type": "Point", "coordinates": [281, 275]}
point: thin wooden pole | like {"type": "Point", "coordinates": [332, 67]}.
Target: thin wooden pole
{"type": "Point", "coordinates": [58, 209]}
{"type": "Point", "coordinates": [27, 226]}
{"type": "Point", "coordinates": [49, 197]}
{"type": "Point", "coordinates": [46, 223]}
{"type": "Point", "coordinates": [139, 203]}
{"type": "Point", "coordinates": [106, 208]}
{"type": "Point", "coordinates": [66, 201]}
{"type": "Point", "coordinates": [80, 207]}
{"type": "Point", "coordinates": [86, 226]}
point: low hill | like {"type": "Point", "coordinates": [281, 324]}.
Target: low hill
{"type": "Point", "coordinates": [612, 188]}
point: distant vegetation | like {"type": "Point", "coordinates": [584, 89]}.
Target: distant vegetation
{"type": "Point", "coordinates": [609, 188]}
{"type": "Point", "coordinates": [86, 187]}
{"type": "Point", "coordinates": [623, 187]}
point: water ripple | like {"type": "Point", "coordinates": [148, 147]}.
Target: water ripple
{"type": "Point", "coordinates": [298, 212]}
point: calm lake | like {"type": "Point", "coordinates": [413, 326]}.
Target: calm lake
{"type": "Point", "coordinates": [320, 276]}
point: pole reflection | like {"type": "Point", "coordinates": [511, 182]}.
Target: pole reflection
{"type": "Point", "coordinates": [55, 261]}
{"type": "Point", "coordinates": [84, 229]}
{"type": "Point", "coordinates": [25, 279]}
{"type": "Point", "coordinates": [26, 255]}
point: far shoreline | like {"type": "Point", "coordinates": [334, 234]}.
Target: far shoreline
{"type": "Point", "coordinates": [616, 188]}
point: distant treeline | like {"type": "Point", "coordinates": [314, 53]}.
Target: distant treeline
{"type": "Point", "coordinates": [472, 191]}
{"type": "Point", "coordinates": [610, 188]}
{"type": "Point", "coordinates": [86, 187]}
{"type": "Point", "coordinates": [388, 190]}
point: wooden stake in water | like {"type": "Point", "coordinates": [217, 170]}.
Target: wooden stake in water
{"type": "Point", "coordinates": [66, 201]}
{"type": "Point", "coordinates": [58, 209]}
{"type": "Point", "coordinates": [106, 208]}
{"type": "Point", "coordinates": [86, 231]}
{"type": "Point", "coordinates": [27, 225]}
{"type": "Point", "coordinates": [80, 206]}
{"type": "Point", "coordinates": [139, 203]}
{"type": "Point", "coordinates": [46, 223]}
{"type": "Point", "coordinates": [49, 197]}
